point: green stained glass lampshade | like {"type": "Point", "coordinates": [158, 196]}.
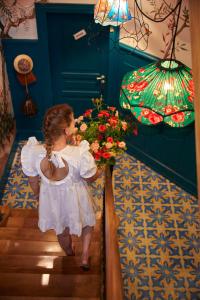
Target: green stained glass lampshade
{"type": "Point", "coordinates": [160, 92]}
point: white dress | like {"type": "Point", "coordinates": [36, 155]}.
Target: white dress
{"type": "Point", "coordinates": [67, 202]}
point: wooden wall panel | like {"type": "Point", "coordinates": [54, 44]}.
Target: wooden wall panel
{"type": "Point", "coordinates": [195, 43]}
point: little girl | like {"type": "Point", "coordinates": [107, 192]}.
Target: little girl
{"type": "Point", "coordinates": [58, 175]}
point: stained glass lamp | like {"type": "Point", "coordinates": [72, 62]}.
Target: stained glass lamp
{"type": "Point", "coordinates": [111, 12]}
{"type": "Point", "coordinates": [160, 92]}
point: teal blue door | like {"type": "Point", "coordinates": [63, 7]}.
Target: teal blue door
{"type": "Point", "coordinates": [77, 65]}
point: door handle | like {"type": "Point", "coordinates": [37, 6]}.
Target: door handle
{"type": "Point", "coordinates": [101, 78]}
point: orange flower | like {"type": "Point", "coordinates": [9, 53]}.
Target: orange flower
{"type": "Point", "coordinates": [95, 146]}
{"type": "Point", "coordinates": [108, 145]}
{"type": "Point", "coordinates": [113, 121]}
{"type": "Point", "coordinates": [121, 144]}
{"type": "Point", "coordinates": [83, 127]}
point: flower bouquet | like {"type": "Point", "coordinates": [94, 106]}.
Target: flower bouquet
{"type": "Point", "coordinates": [104, 129]}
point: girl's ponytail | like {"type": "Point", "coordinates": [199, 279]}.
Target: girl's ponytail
{"type": "Point", "coordinates": [56, 119]}
{"type": "Point", "coordinates": [48, 147]}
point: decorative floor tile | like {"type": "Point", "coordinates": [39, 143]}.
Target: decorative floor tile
{"type": "Point", "coordinates": [159, 235]}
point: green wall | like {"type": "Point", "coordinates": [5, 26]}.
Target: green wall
{"type": "Point", "coordinates": [169, 151]}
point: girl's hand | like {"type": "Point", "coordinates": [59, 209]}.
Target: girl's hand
{"type": "Point", "coordinates": [74, 139]}
{"type": "Point", "coordinates": [77, 139]}
{"type": "Point", "coordinates": [35, 186]}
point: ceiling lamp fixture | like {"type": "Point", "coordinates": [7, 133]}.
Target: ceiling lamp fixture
{"type": "Point", "coordinates": [161, 91]}
{"type": "Point", "coordinates": [111, 12]}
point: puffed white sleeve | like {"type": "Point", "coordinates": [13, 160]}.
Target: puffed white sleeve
{"type": "Point", "coordinates": [88, 166]}
{"type": "Point", "coordinates": [27, 157]}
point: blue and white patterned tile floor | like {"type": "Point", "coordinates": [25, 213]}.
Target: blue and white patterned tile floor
{"type": "Point", "coordinates": [159, 232]}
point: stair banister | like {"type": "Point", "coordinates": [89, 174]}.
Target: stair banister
{"type": "Point", "coordinates": [114, 286]}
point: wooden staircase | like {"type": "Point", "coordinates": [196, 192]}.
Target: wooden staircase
{"type": "Point", "coordinates": [34, 267]}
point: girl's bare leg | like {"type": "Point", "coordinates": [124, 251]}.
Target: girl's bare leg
{"type": "Point", "coordinates": [86, 237]}
{"type": "Point", "coordinates": [65, 241]}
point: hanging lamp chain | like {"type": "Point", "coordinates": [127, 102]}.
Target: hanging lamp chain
{"type": "Point", "coordinates": [161, 20]}
{"type": "Point", "coordinates": [175, 32]}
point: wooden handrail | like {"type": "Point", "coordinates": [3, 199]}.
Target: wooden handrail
{"type": "Point", "coordinates": [114, 286]}
{"type": "Point", "coordinates": [195, 46]}
{"type": "Point", "coordinates": [4, 214]}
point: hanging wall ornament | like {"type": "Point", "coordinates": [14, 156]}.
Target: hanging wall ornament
{"type": "Point", "coordinates": [23, 65]}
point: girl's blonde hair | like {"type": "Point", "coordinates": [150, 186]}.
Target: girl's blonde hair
{"type": "Point", "coordinates": [57, 118]}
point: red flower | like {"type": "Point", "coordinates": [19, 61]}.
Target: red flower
{"type": "Point", "coordinates": [179, 117]}
{"type": "Point", "coordinates": [87, 113]}
{"type": "Point", "coordinates": [106, 155]}
{"type": "Point", "coordinates": [137, 86]}
{"type": "Point", "coordinates": [154, 118]}
{"type": "Point", "coordinates": [113, 121]}
{"type": "Point", "coordinates": [97, 156]}
{"type": "Point", "coordinates": [103, 113]}
{"type": "Point", "coordinates": [109, 139]}
{"type": "Point", "coordinates": [100, 137]}
{"type": "Point", "coordinates": [102, 128]}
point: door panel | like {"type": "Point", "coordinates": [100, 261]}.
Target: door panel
{"type": "Point", "coordinates": [76, 64]}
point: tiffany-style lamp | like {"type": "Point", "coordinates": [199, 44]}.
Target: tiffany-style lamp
{"type": "Point", "coordinates": [111, 12]}
{"type": "Point", "coordinates": [160, 92]}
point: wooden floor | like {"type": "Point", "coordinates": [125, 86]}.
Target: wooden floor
{"type": "Point", "coordinates": [33, 266]}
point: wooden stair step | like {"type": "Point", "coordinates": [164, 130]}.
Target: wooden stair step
{"type": "Point", "coordinates": [31, 222]}
{"type": "Point", "coordinates": [41, 248]}
{"type": "Point", "coordinates": [46, 264]}
{"type": "Point", "coordinates": [20, 212]}
{"type": "Point", "coordinates": [34, 234]}
{"type": "Point", "coordinates": [56, 285]}
{"type": "Point", "coordinates": [45, 298]}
